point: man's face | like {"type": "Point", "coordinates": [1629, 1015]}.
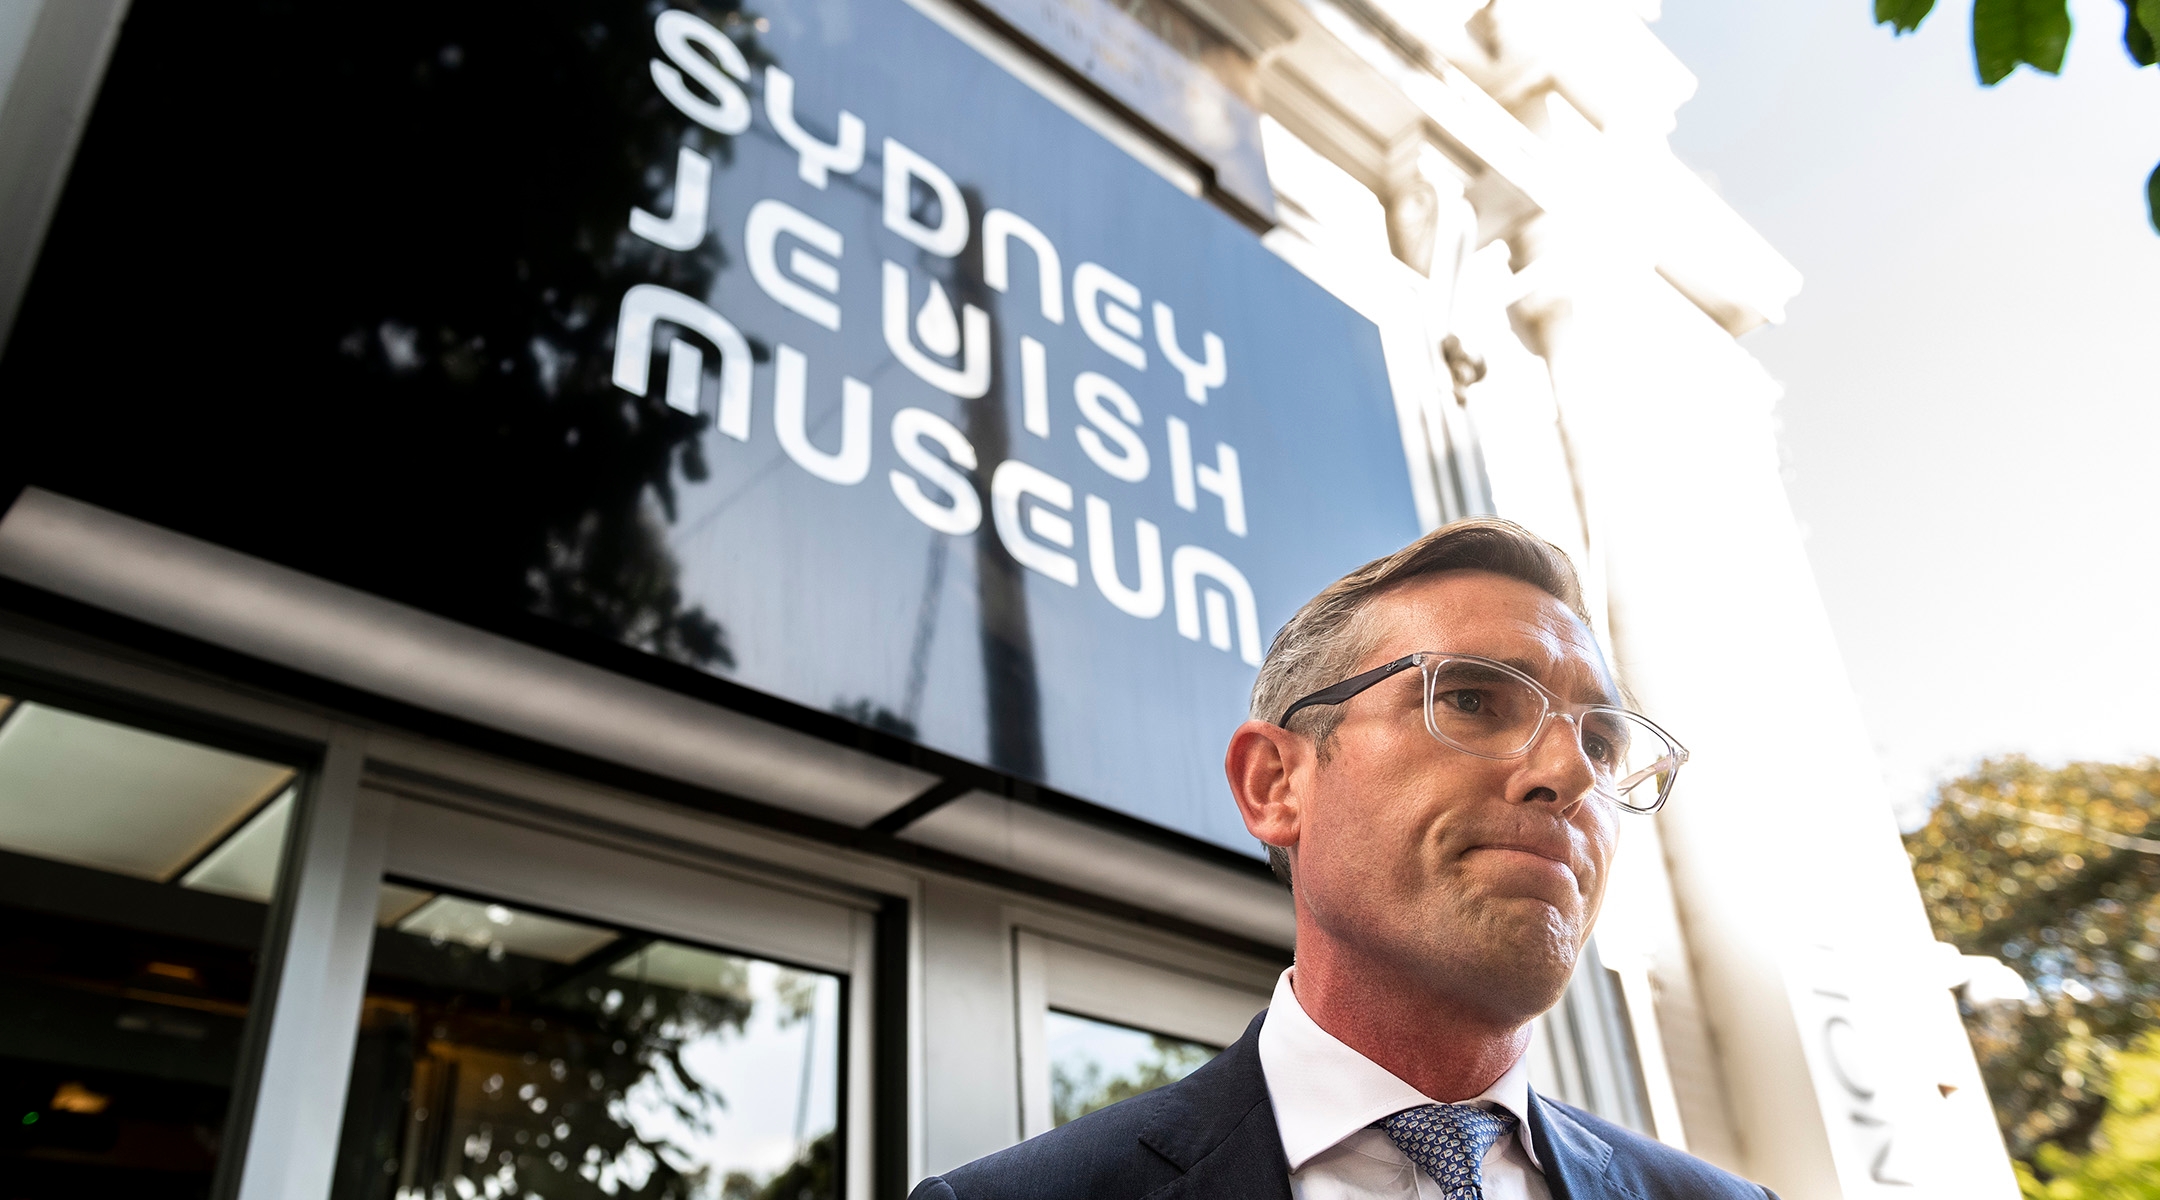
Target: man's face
{"type": "Point", "coordinates": [1479, 878]}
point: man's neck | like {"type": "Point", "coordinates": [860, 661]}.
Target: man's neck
{"type": "Point", "coordinates": [1444, 1050]}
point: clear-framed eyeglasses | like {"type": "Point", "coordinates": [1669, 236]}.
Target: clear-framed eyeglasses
{"type": "Point", "coordinates": [1491, 710]}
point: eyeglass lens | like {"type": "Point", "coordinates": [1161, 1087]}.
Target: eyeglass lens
{"type": "Point", "coordinates": [1489, 711]}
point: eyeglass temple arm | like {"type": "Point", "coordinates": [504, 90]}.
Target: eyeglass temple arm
{"type": "Point", "coordinates": [1340, 692]}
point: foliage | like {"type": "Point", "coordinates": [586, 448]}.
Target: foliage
{"type": "Point", "coordinates": [484, 1070]}
{"type": "Point", "coordinates": [2009, 32]}
{"type": "Point", "coordinates": [814, 1176]}
{"type": "Point", "coordinates": [1077, 1091]}
{"type": "Point", "coordinates": [2124, 1163]}
{"type": "Point", "coordinates": [2054, 871]}
{"type": "Point", "coordinates": [2036, 33]}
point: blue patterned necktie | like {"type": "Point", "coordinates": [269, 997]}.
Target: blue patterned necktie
{"type": "Point", "coordinates": [1449, 1141]}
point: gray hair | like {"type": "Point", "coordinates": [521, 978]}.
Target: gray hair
{"type": "Point", "coordinates": [1327, 638]}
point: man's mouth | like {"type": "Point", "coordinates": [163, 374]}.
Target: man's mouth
{"type": "Point", "coordinates": [1537, 859]}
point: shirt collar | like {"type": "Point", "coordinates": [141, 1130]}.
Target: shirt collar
{"type": "Point", "coordinates": [1323, 1091]}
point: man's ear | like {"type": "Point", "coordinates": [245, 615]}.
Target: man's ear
{"type": "Point", "coordinates": [1268, 767]}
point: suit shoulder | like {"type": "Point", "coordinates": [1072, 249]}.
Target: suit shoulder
{"type": "Point", "coordinates": [1650, 1168]}
{"type": "Point", "coordinates": [1098, 1157]}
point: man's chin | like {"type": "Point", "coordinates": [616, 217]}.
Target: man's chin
{"type": "Point", "coordinates": [1518, 914]}
{"type": "Point", "coordinates": [1510, 965]}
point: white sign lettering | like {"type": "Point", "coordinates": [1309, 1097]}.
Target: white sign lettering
{"type": "Point", "coordinates": [947, 345]}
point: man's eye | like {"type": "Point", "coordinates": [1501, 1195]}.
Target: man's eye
{"type": "Point", "coordinates": [1599, 750]}
{"type": "Point", "coordinates": [1464, 701]}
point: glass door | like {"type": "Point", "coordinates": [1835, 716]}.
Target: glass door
{"type": "Point", "coordinates": [136, 873]}
{"type": "Point", "coordinates": [548, 1017]}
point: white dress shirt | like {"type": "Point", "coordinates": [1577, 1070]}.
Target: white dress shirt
{"type": "Point", "coordinates": [1326, 1097]}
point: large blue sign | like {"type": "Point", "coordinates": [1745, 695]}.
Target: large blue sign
{"type": "Point", "coordinates": [798, 343]}
{"type": "Point", "coordinates": [1042, 449]}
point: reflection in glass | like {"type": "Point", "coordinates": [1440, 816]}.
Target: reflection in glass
{"type": "Point", "coordinates": [135, 871]}
{"type": "Point", "coordinates": [1094, 1064]}
{"type": "Point", "coordinates": [505, 1052]}
{"type": "Point", "coordinates": [479, 196]}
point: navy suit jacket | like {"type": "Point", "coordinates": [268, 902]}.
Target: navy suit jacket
{"type": "Point", "coordinates": [1212, 1135]}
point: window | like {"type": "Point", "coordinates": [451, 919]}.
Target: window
{"type": "Point", "coordinates": [1098, 1027]}
{"type": "Point", "coordinates": [1094, 1064]}
{"type": "Point", "coordinates": [504, 1052]}
{"type": "Point", "coordinates": [136, 871]}
{"type": "Point", "coordinates": [550, 1013]}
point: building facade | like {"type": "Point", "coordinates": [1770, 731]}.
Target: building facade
{"type": "Point", "coordinates": [644, 598]}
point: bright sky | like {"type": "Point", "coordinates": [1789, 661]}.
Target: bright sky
{"type": "Point", "coordinates": [1972, 409]}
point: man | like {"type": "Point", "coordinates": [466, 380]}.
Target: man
{"type": "Point", "coordinates": [1437, 762]}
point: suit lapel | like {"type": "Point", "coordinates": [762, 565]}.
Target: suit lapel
{"type": "Point", "coordinates": [1218, 1128]}
{"type": "Point", "coordinates": [1573, 1158]}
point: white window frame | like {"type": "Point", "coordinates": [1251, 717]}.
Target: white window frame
{"type": "Point", "coordinates": [1054, 972]}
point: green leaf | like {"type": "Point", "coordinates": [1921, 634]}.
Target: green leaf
{"type": "Point", "coordinates": [2009, 32]}
{"type": "Point", "coordinates": [2142, 29]}
{"type": "Point", "coordinates": [2152, 198]}
{"type": "Point", "coordinates": [1904, 16]}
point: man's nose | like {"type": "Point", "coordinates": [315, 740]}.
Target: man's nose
{"type": "Point", "coordinates": [1559, 769]}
